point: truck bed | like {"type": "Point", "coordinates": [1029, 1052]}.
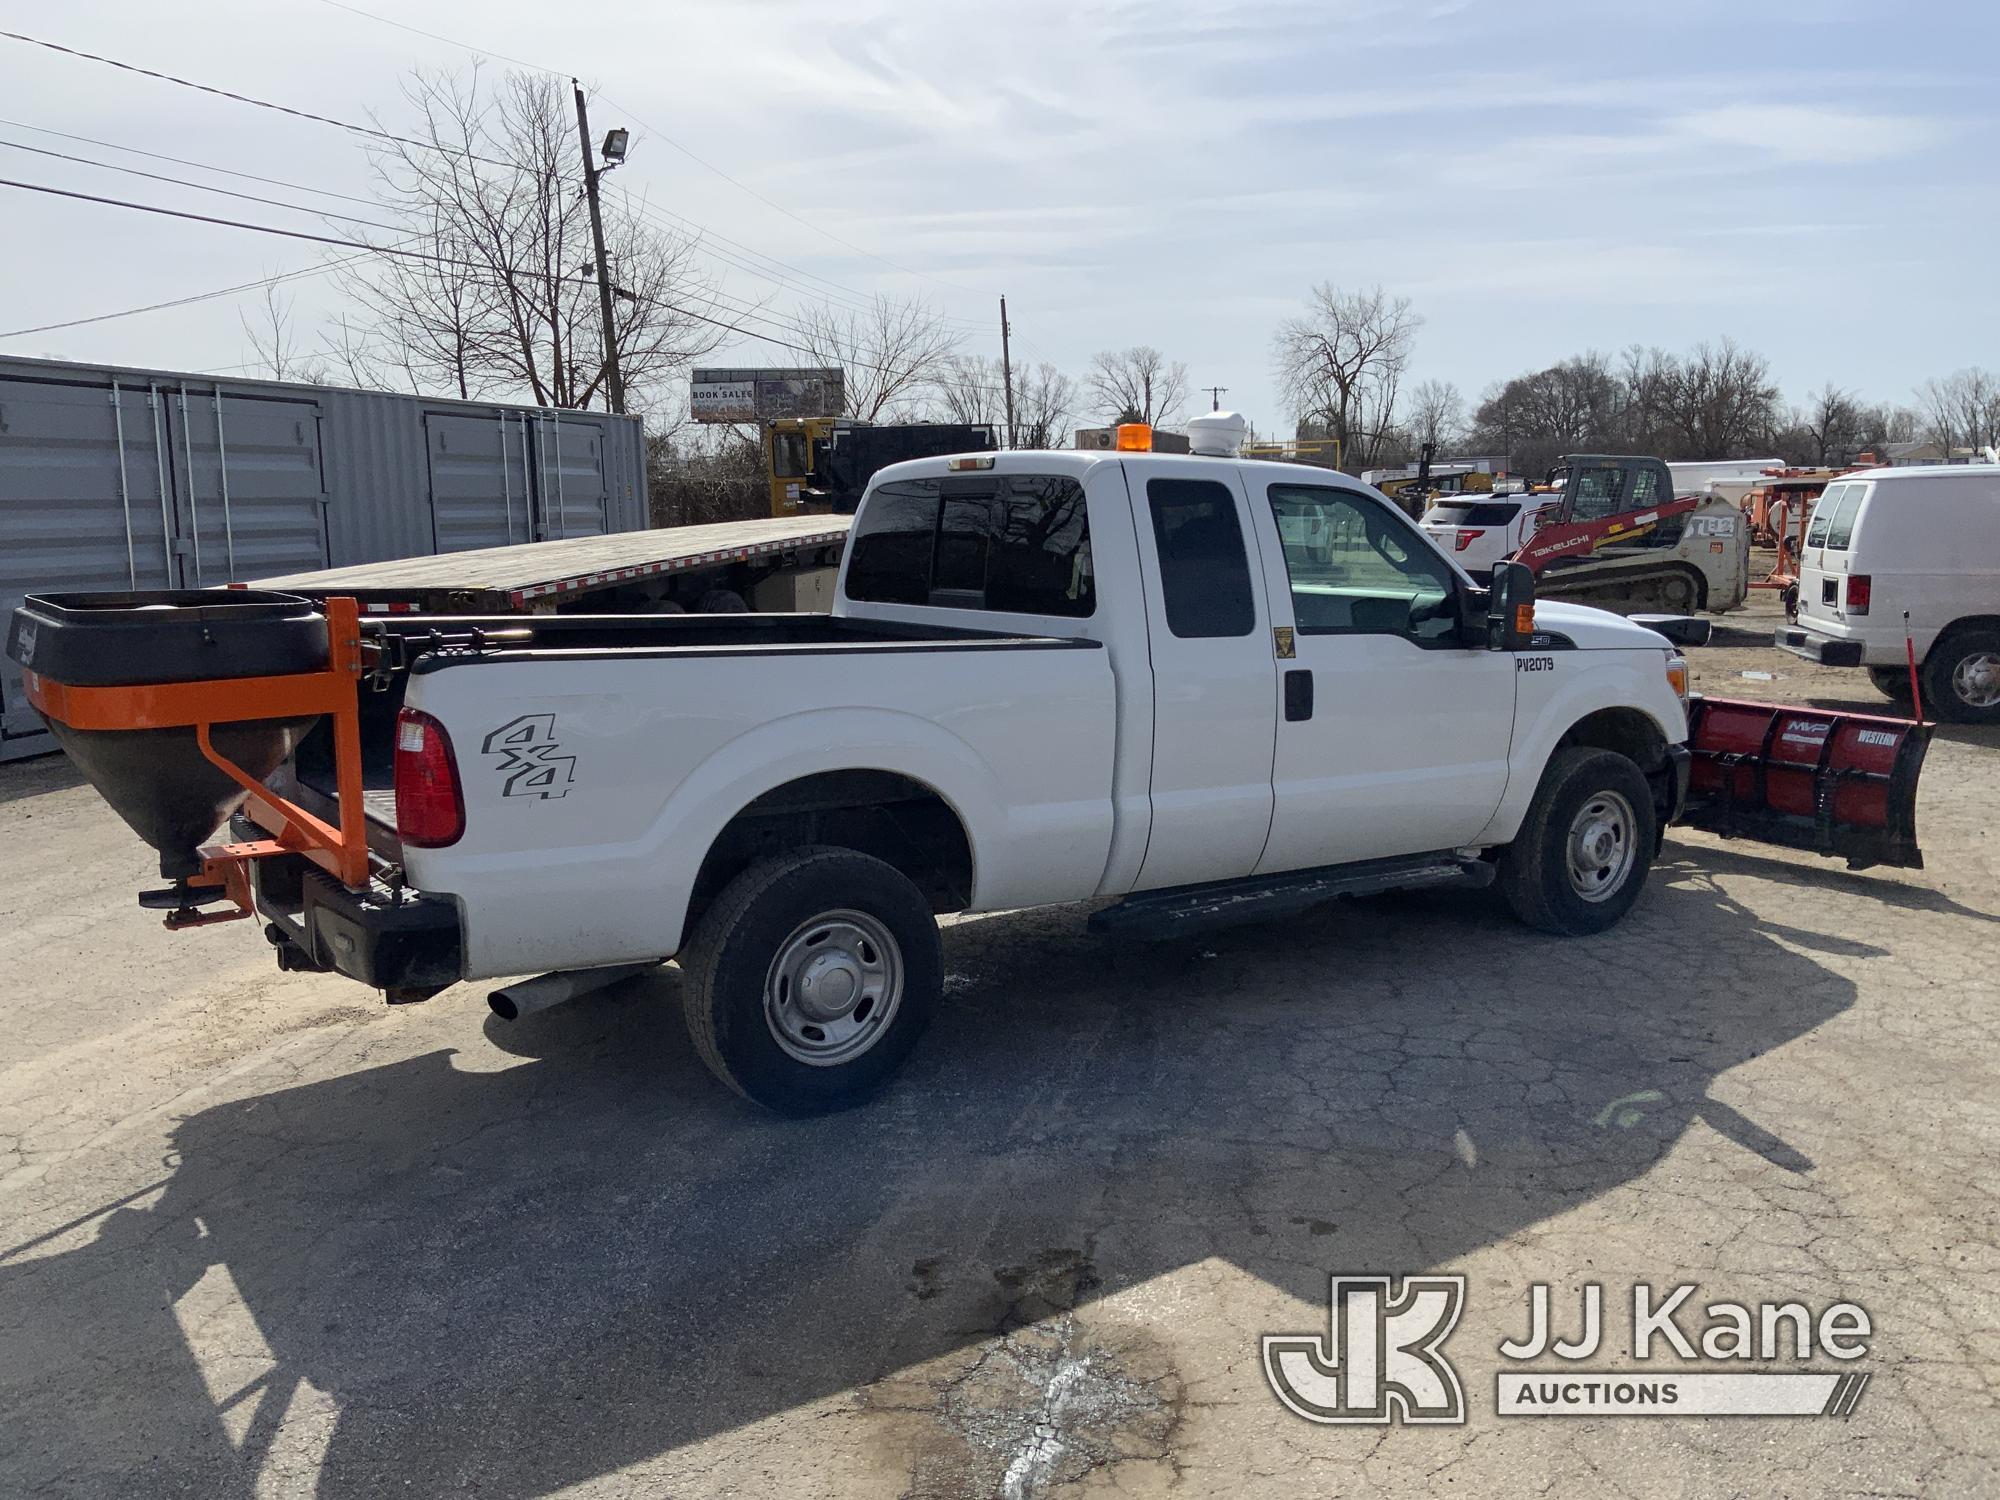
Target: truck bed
{"type": "Point", "coordinates": [516, 577]}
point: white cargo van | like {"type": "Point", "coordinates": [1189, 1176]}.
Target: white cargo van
{"type": "Point", "coordinates": [1921, 543]}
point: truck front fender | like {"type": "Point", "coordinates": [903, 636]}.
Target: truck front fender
{"type": "Point", "coordinates": [1549, 706]}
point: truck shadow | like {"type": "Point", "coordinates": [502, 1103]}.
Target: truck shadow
{"type": "Point", "coordinates": [519, 1279]}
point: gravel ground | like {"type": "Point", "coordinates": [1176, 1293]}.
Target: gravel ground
{"type": "Point", "coordinates": [265, 1236]}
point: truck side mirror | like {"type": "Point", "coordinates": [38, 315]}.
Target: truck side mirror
{"type": "Point", "coordinates": [1510, 608]}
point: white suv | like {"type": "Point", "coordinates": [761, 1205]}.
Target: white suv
{"type": "Point", "coordinates": [1916, 550]}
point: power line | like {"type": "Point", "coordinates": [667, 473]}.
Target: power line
{"type": "Point", "coordinates": [635, 205]}
{"type": "Point", "coordinates": [227, 291]}
{"type": "Point", "coordinates": [364, 246]}
{"type": "Point", "coordinates": [182, 161]}
{"type": "Point", "coordinates": [203, 187]}
{"type": "Point", "coordinates": [381, 134]}
{"type": "Point", "coordinates": [286, 109]}
{"type": "Point", "coordinates": [739, 311]}
{"type": "Point", "coordinates": [293, 234]}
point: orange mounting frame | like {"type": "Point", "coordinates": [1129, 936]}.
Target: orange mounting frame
{"type": "Point", "coordinates": [342, 851]}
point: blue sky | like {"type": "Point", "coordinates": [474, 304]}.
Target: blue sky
{"type": "Point", "coordinates": [1816, 180]}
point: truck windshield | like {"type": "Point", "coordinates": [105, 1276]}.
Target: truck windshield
{"type": "Point", "coordinates": [1016, 544]}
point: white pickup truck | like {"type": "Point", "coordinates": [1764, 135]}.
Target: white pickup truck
{"type": "Point", "coordinates": [1202, 688]}
{"type": "Point", "coordinates": [1048, 677]}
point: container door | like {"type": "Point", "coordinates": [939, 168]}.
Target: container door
{"type": "Point", "coordinates": [480, 480]}
{"type": "Point", "coordinates": [80, 507]}
{"type": "Point", "coordinates": [252, 496]}
{"type": "Point", "coordinates": [571, 477]}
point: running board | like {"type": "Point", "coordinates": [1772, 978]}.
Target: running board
{"type": "Point", "coordinates": [1260, 898]}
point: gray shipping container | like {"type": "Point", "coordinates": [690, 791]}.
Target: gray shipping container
{"type": "Point", "coordinates": [113, 479]}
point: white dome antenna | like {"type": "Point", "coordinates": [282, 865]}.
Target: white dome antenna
{"type": "Point", "coordinates": [1217, 434]}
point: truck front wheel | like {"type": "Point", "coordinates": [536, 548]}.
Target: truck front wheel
{"type": "Point", "coordinates": [1580, 859]}
{"type": "Point", "coordinates": [811, 977]}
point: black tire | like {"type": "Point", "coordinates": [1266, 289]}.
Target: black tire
{"type": "Point", "coordinates": [1534, 870]}
{"type": "Point", "coordinates": [721, 602]}
{"type": "Point", "coordinates": [1680, 593]}
{"type": "Point", "coordinates": [1891, 682]}
{"type": "Point", "coordinates": [752, 924]}
{"type": "Point", "coordinates": [1960, 658]}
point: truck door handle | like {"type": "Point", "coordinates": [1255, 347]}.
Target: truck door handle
{"type": "Point", "coordinates": [1298, 695]}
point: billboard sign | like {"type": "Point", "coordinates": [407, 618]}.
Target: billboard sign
{"type": "Point", "coordinates": [762, 395]}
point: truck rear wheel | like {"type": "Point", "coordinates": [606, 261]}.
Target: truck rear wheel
{"type": "Point", "coordinates": [1962, 677]}
{"type": "Point", "coordinates": [1580, 859]}
{"type": "Point", "coordinates": [811, 977]}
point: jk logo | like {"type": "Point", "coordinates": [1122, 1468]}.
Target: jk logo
{"type": "Point", "coordinates": [532, 763]}
{"type": "Point", "coordinates": [1378, 1359]}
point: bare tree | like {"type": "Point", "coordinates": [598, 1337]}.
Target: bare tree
{"type": "Point", "coordinates": [1962, 410]}
{"type": "Point", "coordinates": [891, 355]}
{"type": "Point", "coordinates": [1045, 403]}
{"type": "Point", "coordinates": [970, 388]}
{"type": "Point", "coordinates": [1339, 366]}
{"type": "Point", "coordinates": [1832, 421]}
{"type": "Point", "coordinates": [1437, 414]}
{"type": "Point", "coordinates": [274, 340]}
{"type": "Point", "coordinates": [501, 298]}
{"type": "Point", "coordinates": [1721, 401]}
{"type": "Point", "coordinates": [1136, 385]}
{"type": "Point", "coordinates": [714, 474]}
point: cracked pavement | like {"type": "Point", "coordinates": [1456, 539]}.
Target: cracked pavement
{"type": "Point", "coordinates": [265, 1236]}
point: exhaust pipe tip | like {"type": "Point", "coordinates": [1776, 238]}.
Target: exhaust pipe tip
{"type": "Point", "coordinates": [528, 996]}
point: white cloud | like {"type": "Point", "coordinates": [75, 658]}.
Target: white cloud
{"type": "Point", "coordinates": [1817, 133]}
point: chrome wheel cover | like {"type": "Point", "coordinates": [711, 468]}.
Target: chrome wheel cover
{"type": "Point", "coordinates": [1976, 679]}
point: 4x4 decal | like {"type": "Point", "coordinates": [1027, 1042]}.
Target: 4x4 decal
{"type": "Point", "coordinates": [532, 763]}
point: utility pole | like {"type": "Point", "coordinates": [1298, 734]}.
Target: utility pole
{"type": "Point", "coordinates": [614, 381]}
{"type": "Point", "coordinates": [1215, 396]}
{"type": "Point", "coordinates": [1007, 371]}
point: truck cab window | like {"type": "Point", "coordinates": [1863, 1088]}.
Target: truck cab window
{"type": "Point", "coordinates": [1204, 567]}
{"type": "Point", "coordinates": [1013, 544]}
{"type": "Point", "coordinates": [1357, 568]}
{"type": "Point", "coordinates": [788, 455]}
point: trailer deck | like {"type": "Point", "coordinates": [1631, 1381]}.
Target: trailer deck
{"type": "Point", "coordinates": [535, 574]}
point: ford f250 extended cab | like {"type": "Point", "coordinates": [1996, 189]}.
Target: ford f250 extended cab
{"type": "Point", "coordinates": [1200, 686]}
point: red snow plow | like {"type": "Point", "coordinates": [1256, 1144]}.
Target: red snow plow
{"type": "Point", "coordinates": [1831, 783]}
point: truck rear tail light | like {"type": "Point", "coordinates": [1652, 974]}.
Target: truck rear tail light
{"type": "Point", "coordinates": [1859, 587]}
{"type": "Point", "coordinates": [1467, 538]}
{"type": "Point", "coordinates": [430, 810]}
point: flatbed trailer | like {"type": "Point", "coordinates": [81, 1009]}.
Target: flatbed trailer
{"type": "Point", "coordinates": [758, 565]}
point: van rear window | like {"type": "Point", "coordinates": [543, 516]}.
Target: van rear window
{"type": "Point", "coordinates": [1012, 544]}
{"type": "Point", "coordinates": [1840, 530]}
{"type": "Point", "coordinates": [1822, 516]}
